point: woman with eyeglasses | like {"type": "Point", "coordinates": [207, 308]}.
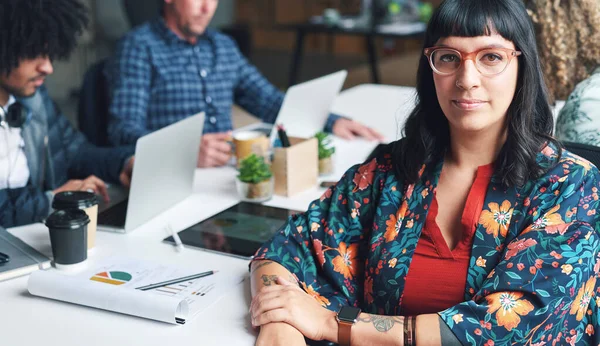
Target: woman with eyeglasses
{"type": "Point", "coordinates": [476, 228]}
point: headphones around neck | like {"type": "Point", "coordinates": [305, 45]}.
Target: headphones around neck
{"type": "Point", "coordinates": [15, 116]}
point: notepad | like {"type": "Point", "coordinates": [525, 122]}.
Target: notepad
{"type": "Point", "coordinates": [23, 258]}
{"type": "Point", "coordinates": [111, 285]}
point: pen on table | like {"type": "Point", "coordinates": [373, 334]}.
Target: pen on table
{"type": "Point", "coordinates": [176, 238]}
{"type": "Point", "coordinates": [4, 258]}
{"type": "Point", "coordinates": [176, 281]}
{"type": "Point", "coordinates": [285, 142]}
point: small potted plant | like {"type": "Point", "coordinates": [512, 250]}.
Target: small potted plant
{"type": "Point", "coordinates": [326, 150]}
{"type": "Point", "coordinates": [255, 180]}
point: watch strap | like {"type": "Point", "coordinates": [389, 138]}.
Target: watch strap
{"type": "Point", "coordinates": [344, 331]}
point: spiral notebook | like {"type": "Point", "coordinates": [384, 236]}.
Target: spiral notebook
{"type": "Point", "coordinates": [23, 258]}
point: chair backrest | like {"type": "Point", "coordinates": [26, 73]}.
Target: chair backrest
{"type": "Point", "coordinates": [93, 105]}
{"type": "Point", "coordinates": [140, 11]}
{"type": "Point", "coordinates": [588, 152]}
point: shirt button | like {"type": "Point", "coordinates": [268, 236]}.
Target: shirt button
{"type": "Point", "coordinates": [212, 120]}
{"type": "Point", "coordinates": [203, 73]}
{"type": "Point", "coordinates": [208, 99]}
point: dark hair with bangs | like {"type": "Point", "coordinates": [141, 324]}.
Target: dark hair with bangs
{"type": "Point", "coordinates": [33, 28]}
{"type": "Point", "coordinates": [529, 117]}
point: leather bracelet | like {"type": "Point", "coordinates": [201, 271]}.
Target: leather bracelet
{"type": "Point", "coordinates": [414, 330]}
{"type": "Point", "coordinates": [409, 330]}
{"type": "Point", "coordinates": [406, 331]}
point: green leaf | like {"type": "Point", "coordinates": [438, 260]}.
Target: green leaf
{"type": "Point", "coordinates": [542, 311]}
{"type": "Point", "coordinates": [326, 148]}
{"type": "Point", "coordinates": [254, 169]}
{"type": "Point", "coordinates": [514, 275]}
{"type": "Point", "coordinates": [542, 293]}
{"type": "Point", "coordinates": [472, 320]}
{"type": "Point", "coordinates": [470, 339]}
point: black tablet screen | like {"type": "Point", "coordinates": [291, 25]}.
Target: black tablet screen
{"type": "Point", "coordinates": [239, 230]}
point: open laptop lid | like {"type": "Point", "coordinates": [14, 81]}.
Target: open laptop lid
{"type": "Point", "coordinates": [306, 106]}
{"type": "Point", "coordinates": [163, 173]}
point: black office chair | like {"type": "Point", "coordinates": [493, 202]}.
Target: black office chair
{"type": "Point", "coordinates": [93, 105]}
{"type": "Point", "coordinates": [588, 152]}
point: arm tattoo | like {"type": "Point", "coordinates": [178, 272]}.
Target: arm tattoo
{"type": "Point", "coordinates": [268, 280]}
{"type": "Point", "coordinates": [382, 323]}
{"type": "Point", "coordinates": [261, 264]}
{"type": "Point", "coordinates": [448, 338]}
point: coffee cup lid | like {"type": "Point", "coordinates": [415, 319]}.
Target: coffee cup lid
{"type": "Point", "coordinates": [74, 200]}
{"type": "Point", "coordinates": [67, 219]}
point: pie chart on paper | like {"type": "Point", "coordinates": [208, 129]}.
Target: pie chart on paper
{"type": "Point", "coordinates": [112, 278]}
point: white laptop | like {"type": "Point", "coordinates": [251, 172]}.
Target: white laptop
{"type": "Point", "coordinates": [305, 108]}
{"type": "Point", "coordinates": [163, 175]}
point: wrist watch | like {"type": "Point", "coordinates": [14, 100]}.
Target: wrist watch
{"type": "Point", "coordinates": [346, 318]}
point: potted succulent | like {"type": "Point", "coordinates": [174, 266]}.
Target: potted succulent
{"type": "Point", "coordinates": [255, 180]}
{"type": "Point", "coordinates": [326, 150]}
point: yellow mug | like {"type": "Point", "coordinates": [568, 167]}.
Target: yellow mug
{"type": "Point", "coordinates": [247, 143]}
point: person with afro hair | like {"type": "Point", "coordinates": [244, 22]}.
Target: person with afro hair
{"type": "Point", "coordinates": [41, 154]}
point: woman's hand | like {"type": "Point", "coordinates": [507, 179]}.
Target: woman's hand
{"type": "Point", "coordinates": [288, 303]}
{"type": "Point", "coordinates": [279, 334]}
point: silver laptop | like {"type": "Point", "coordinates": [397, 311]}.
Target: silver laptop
{"type": "Point", "coordinates": [305, 108]}
{"type": "Point", "coordinates": [163, 175]}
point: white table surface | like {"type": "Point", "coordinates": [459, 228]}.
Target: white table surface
{"type": "Point", "coordinates": [29, 320]}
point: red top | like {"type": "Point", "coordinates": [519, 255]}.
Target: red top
{"type": "Point", "coordinates": [437, 276]}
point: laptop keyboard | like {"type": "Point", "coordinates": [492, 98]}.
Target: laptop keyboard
{"type": "Point", "coordinates": [115, 215]}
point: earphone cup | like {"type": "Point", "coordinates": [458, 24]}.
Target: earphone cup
{"type": "Point", "coordinates": [16, 115]}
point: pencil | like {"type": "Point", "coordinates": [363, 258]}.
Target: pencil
{"type": "Point", "coordinates": [175, 281]}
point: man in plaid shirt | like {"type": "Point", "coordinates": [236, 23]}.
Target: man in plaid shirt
{"type": "Point", "coordinates": [173, 67]}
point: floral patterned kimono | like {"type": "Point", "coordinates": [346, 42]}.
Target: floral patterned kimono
{"type": "Point", "coordinates": [534, 260]}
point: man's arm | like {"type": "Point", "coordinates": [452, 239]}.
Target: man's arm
{"type": "Point", "coordinates": [129, 78]}
{"type": "Point", "coordinates": [23, 206]}
{"type": "Point", "coordinates": [83, 158]}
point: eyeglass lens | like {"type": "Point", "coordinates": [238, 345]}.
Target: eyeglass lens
{"type": "Point", "coordinates": [488, 61]}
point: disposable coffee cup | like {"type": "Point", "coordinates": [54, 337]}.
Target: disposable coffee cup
{"type": "Point", "coordinates": [85, 201]}
{"type": "Point", "coordinates": [68, 237]}
{"type": "Point", "coordinates": [247, 143]}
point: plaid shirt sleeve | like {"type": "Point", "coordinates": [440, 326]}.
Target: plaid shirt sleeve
{"type": "Point", "coordinates": [129, 77]}
{"type": "Point", "coordinates": [255, 94]}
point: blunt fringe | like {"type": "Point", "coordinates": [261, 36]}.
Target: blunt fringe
{"type": "Point", "coordinates": [529, 119]}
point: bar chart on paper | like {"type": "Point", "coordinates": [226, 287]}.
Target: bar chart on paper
{"type": "Point", "coordinates": [194, 291]}
{"type": "Point", "coordinates": [174, 289]}
{"type": "Point", "coordinates": [187, 289]}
